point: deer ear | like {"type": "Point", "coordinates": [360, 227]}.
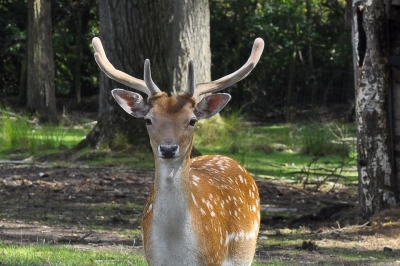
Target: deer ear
{"type": "Point", "coordinates": [131, 102]}
{"type": "Point", "coordinates": [211, 105]}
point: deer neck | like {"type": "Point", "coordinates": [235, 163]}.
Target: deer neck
{"type": "Point", "coordinates": [172, 232]}
{"type": "Point", "coordinates": [171, 189]}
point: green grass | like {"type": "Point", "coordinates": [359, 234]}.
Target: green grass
{"type": "Point", "coordinates": [22, 138]}
{"type": "Point", "coordinates": [283, 151]}
{"type": "Point", "coordinates": [64, 255]}
{"type": "Point", "coordinates": [278, 151]}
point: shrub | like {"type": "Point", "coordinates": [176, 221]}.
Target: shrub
{"type": "Point", "coordinates": [319, 140]}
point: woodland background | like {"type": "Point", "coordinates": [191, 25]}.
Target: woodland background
{"type": "Point", "coordinates": [307, 61]}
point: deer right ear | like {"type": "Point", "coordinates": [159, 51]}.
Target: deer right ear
{"type": "Point", "coordinates": [131, 102]}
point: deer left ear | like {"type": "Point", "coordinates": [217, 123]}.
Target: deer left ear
{"type": "Point", "coordinates": [211, 105]}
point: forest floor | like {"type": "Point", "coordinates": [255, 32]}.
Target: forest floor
{"type": "Point", "coordinates": [100, 208]}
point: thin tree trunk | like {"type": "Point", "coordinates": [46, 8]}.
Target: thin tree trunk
{"type": "Point", "coordinates": [40, 76]}
{"type": "Point", "coordinates": [169, 33]}
{"type": "Point", "coordinates": [310, 63]}
{"type": "Point", "coordinates": [22, 83]}
{"type": "Point", "coordinates": [78, 53]}
{"type": "Point", "coordinates": [376, 177]}
{"type": "Point", "coordinates": [292, 74]}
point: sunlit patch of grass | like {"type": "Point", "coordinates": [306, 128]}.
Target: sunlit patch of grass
{"type": "Point", "coordinates": [20, 136]}
{"type": "Point", "coordinates": [64, 255]}
{"type": "Point", "coordinates": [278, 151]}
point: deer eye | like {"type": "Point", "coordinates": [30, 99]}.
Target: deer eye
{"type": "Point", "coordinates": [192, 122]}
{"type": "Point", "coordinates": [148, 121]}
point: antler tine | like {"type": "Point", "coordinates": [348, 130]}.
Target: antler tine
{"type": "Point", "coordinates": [190, 82]}
{"type": "Point", "coordinates": [111, 72]}
{"type": "Point", "coordinates": [236, 76]}
{"type": "Point", "coordinates": [148, 80]}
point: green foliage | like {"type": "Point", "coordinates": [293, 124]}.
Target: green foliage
{"type": "Point", "coordinates": [319, 140]}
{"type": "Point", "coordinates": [276, 150]}
{"type": "Point", "coordinates": [18, 134]}
{"type": "Point", "coordinates": [232, 132]}
{"type": "Point", "coordinates": [13, 55]}
{"type": "Point", "coordinates": [317, 42]}
{"type": "Point", "coordinates": [14, 15]}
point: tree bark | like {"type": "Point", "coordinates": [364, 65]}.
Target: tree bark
{"type": "Point", "coordinates": [40, 76]}
{"type": "Point", "coordinates": [78, 51]}
{"type": "Point", "coordinates": [289, 112]}
{"type": "Point", "coordinates": [169, 33]}
{"type": "Point", "coordinates": [394, 32]}
{"type": "Point", "coordinates": [376, 181]}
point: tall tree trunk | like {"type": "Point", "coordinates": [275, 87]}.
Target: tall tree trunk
{"type": "Point", "coordinates": [169, 33]}
{"type": "Point", "coordinates": [292, 74]}
{"type": "Point", "coordinates": [394, 32]}
{"type": "Point", "coordinates": [78, 52]}
{"type": "Point", "coordinates": [22, 82]}
{"type": "Point", "coordinates": [375, 170]}
{"type": "Point", "coordinates": [40, 76]}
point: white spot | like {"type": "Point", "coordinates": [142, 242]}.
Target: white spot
{"type": "Point", "coordinates": [209, 205]}
{"type": "Point", "coordinates": [150, 208]}
{"type": "Point", "coordinates": [194, 200]}
{"type": "Point", "coordinates": [212, 214]}
{"type": "Point", "coordinates": [241, 178]}
{"type": "Point", "coordinates": [202, 211]}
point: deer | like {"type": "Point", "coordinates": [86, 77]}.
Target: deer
{"type": "Point", "coordinates": [203, 210]}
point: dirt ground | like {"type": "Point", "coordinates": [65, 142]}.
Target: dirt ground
{"type": "Point", "coordinates": [100, 208]}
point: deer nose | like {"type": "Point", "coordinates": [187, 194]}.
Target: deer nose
{"type": "Point", "coordinates": [168, 151]}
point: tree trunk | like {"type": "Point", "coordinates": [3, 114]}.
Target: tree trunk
{"type": "Point", "coordinates": [78, 52]}
{"type": "Point", "coordinates": [291, 80]}
{"type": "Point", "coordinates": [40, 76]}
{"type": "Point", "coordinates": [169, 33]}
{"type": "Point", "coordinates": [376, 181]}
{"type": "Point", "coordinates": [394, 32]}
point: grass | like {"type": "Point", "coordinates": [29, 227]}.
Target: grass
{"type": "Point", "coordinates": [282, 151]}
{"type": "Point", "coordinates": [23, 138]}
{"type": "Point", "coordinates": [279, 151]}
{"type": "Point", "coordinates": [65, 255]}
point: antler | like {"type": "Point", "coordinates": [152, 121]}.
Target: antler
{"type": "Point", "coordinates": [228, 80]}
{"type": "Point", "coordinates": [111, 72]}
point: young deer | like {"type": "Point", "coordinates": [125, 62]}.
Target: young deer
{"type": "Point", "coordinates": [201, 211]}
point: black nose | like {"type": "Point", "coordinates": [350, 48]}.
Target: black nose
{"type": "Point", "coordinates": [168, 151]}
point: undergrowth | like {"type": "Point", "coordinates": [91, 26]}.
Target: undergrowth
{"type": "Point", "coordinates": [21, 135]}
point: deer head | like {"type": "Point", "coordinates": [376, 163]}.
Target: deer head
{"type": "Point", "coordinates": [171, 120]}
